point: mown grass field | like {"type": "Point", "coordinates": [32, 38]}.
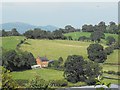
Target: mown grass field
{"type": "Point", "coordinates": [53, 49]}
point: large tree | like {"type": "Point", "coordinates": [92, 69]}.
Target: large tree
{"type": "Point", "coordinates": [77, 69]}
{"type": "Point", "coordinates": [112, 28]}
{"type": "Point", "coordinates": [97, 36]}
{"type": "Point", "coordinates": [96, 53]}
{"type": "Point", "coordinates": [110, 40]}
{"type": "Point", "coordinates": [87, 28]}
{"type": "Point", "coordinates": [14, 61]}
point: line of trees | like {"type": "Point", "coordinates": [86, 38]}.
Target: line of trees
{"type": "Point", "coordinates": [13, 32]}
{"type": "Point", "coordinates": [112, 28]}
{"type": "Point", "coordinates": [37, 33]}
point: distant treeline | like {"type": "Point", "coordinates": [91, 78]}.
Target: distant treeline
{"type": "Point", "coordinates": [37, 33]}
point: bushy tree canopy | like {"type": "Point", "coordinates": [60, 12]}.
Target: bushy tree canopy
{"type": "Point", "coordinates": [16, 61]}
{"type": "Point", "coordinates": [96, 53]}
{"type": "Point", "coordinates": [77, 69]}
{"type": "Point", "coordinates": [110, 40]}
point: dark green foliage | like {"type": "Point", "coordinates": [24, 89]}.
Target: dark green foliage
{"type": "Point", "coordinates": [109, 50]}
{"type": "Point", "coordinates": [41, 34]}
{"type": "Point", "coordinates": [57, 64]}
{"type": "Point", "coordinates": [110, 40]}
{"type": "Point", "coordinates": [37, 83]}
{"type": "Point", "coordinates": [58, 83]}
{"type": "Point", "coordinates": [69, 38]}
{"type": "Point", "coordinates": [102, 26]}
{"type": "Point", "coordinates": [83, 38]}
{"type": "Point", "coordinates": [13, 32]}
{"type": "Point", "coordinates": [14, 61]}
{"type": "Point", "coordinates": [96, 53]}
{"type": "Point", "coordinates": [77, 69]}
{"type": "Point", "coordinates": [87, 28]}
{"type": "Point", "coordinates": [97, 36]}
{"type": "Point", "coordinates": [112, 28]}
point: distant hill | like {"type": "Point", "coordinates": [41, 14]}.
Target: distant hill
{"type": "Point", "coordinates": [22, 27]}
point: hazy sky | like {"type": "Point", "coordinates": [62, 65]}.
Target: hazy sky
{"type": "Point", "coordinates": [60, 13]}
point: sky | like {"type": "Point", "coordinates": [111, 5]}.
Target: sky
{"type": "Point", "coordinates": [59, 13]}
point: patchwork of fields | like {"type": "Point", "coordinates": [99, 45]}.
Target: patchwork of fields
{"type": "Point", "coordinates": [53, 49]}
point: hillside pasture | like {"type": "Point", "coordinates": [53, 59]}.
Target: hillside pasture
{"type": "Point", "coordinates": [11, 42]}
{"type": "Point", "coordinates": [76, 35]}
{"type": "Point", "coordinates": [53, 49]}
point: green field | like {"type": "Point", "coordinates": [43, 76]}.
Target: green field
{"type": "Point", "coordinates": [46, 74]}
{"type": "Point", "coordinates": [53, 49]}
{"type": "Point", "coordinates": [76, 35]}
{"type": "Point", "coordinates": [11, 42]}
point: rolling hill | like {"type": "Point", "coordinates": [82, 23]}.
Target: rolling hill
{"type": "Point", "coordinates": [53, 49]}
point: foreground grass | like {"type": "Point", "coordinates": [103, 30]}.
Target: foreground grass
{"type": "Point", "coordinates": [46, 74]}
{"type": "Point", "coordinates": [50, 74]}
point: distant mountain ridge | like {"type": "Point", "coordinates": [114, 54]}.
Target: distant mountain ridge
{"type": "Point", "coordinates": [22, 27]}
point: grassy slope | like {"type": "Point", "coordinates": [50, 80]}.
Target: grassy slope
{"type": "Point", "coordinates": [47, 74]}
{"type": "Point", "coordinates": [11, 42]}
{"type": "Point", "coordinates": [76, 35]}
{"type": "Point", "coordinates": [53, 50]}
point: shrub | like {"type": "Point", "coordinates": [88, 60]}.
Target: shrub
{"type": "Point", "coordinates": [110, 40]}
{"type": "Point", "coordinates": [7, 81]}
{"type": "Point", "coordinates": [96, 53]}
{"type": "Point", "coordinates": [58, 83]}
{"type": "Point", "coordinates": [109, 50]}
{"type": "Point", "coordinates": [41, 84]}
{"type": "Point", "coordinates": [111, 72]}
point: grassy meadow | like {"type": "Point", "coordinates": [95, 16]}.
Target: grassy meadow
{"type": "Point", "coordinates": [46, 74]}
{"type": "Point", "coordinates": [9, 43]}
{"type": "Point", "coordinates": [76, 35]}
{"type": "Point", "coordinates": [53, 49]}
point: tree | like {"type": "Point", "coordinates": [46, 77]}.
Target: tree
{"type": "Point", "coordinates": [77, 69]}
{"type": "Point", "coordinates": [29, 34]}
{"type": "Point", "coordinates": [69, 28]}
{"type": "Point", "coordinates": [102, 27]}
{"type": "Point", "coordinates": [69, 38]}
{"type": "Point", "coordinates": [82, 38]}
{"type": "Point", "coordinates": [96, 53]}
{"type": "Point", "coordinates": [109, 50]}
{"type": "Point", "coordinates": [112, 28]}
{"type": "Point", "coordinates": [14, 61]}
{"type": "Point", "coordinates": [97, 36]}
{"type": "Point", "coordinates": [14, 32]}
{"type": "Point", "coordinates": [87, 28]}
{"type": "Point", "coordinates": [4, 33]}
{"type": "Point", "coordinates": [110, 40]}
